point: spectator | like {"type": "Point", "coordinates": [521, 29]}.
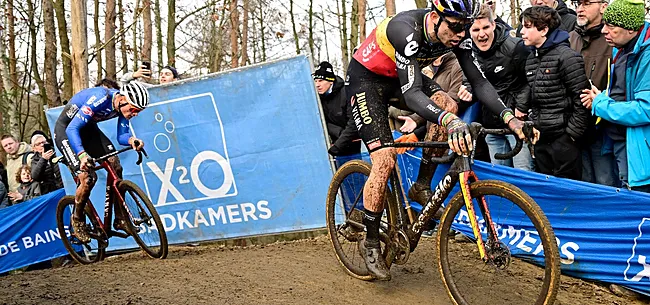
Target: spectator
{"type": "Point", "coordinates": [567, 15]}
{"type": "Point", "coordinates": [18, 153]}
{"type": "Point", "coordinates": [502, 59]}
{"type": "Point", "coordinates": [492, 4]}
{"type": "Point", "coordinates": [557, 77]}
{"type": "Point", "coordinates": [28, 188]}
{"type": "Point", "coordinates": [4, 199]}
{"type": "Point", "coordinates": [331, 91]}
{"type": "Point", "coordinates": [108, 84]}
{"type": "Point", "coordinates": [626, 105]}
{"type": "Point", "coordinates": [3, 176]}
{"type": "Point", "coordinates": [597, 167]}
{"type": "Point", "coordinates": [43, 170]}
{"type": "Point", "coordinates": [168, 74]}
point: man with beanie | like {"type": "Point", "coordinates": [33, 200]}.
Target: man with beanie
{"type": "Point", "coordinates": [168, 74]}
{"type": "Point", "coordinates": [625, 105]}
{"type": "Point", "coordinates": [331, 90]}
{"type": "Point", "coordinates": [587, 38]}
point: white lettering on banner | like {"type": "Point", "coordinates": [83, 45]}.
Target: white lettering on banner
{"type": "Point", "coordinates": [10, 247]}
{"type": "Point", "coordinates": [167, 186]}
{"type": "Point", "coordinates": [646, 270]}
{"type": "Point", "coordinates": [522, 239]}
{"type": "Point", "coordinates": [166, 177]}
{"type": "Point", "coordinates": [231, 213]}
{"type": "Point", "coordinates": [637, 260]}
{"type": "Point", "coordinates": [27, 242]}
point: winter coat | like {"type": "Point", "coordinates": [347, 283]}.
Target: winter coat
{"type": "Point", "coordinates": [46, 173]}
{"type": "Point", "coordinates": [556, 76]}
{"type": "Point", "coordinates": [29, 191]}
{"type": "Point", "coordinates": [635, 111]}
{"type": "Point", "coordinates": [335, 109]}
{"type": "Point", "coordinates": [14, 162]}
{"type": "Point", "coordinates": [504, 67]}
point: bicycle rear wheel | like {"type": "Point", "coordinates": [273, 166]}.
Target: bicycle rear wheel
{"type": "Point", "coordinates": [523, 241]}
{"type": "Point", "coordinates": [147, 228]}
{"type": "Point", "coordinates": [87, 253]}
{"type": "Point", "coordinates": [345, 217]}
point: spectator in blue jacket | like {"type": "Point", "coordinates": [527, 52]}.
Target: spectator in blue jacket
{"type": "Point", "coordinates": [626, 103]}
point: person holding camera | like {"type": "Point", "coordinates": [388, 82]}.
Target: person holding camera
{"type": "Point", "coordinates": [43, 170]}
{"type": "Point", "coordinates": [168, 74]}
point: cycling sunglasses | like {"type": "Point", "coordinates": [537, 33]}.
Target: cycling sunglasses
{"type": "Point", "coordinates": [457, 27]}
{"type": "Point", "coordinates": [135, 110]}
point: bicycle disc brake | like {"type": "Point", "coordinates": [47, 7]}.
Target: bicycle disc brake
{"type": "Point", "coordinates": [498, 255]}
{"type": "Point", "coordinates": [402, 247]}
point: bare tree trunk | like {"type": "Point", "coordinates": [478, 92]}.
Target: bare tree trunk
{"type": "Point", "coordinates": [66, 59]}
{"type": "Point", "coordinates": [135, 45]}
{"type": "Point", "coordinates": [244, 35]}
{"type": "Point", "coordinates": [216, 57]}
{"type": "Point", "coordinates": [362, 20]}
{"type": "Point", "coordinates": [148, 33]}
{"type": "Point", "coordinates": [159, 41]}
{"type": "Point", "coordinates": [171, 29]}
{"type": "Point", "coordinates": [234, 34]}
{"type": "Point", "coordinates": [125, 58]}
{"type": "Point", "coordinates": [13, 75]}
{"type": "Point", "coordinates": [51, 82]}
{"type": "Point", "coordinates": [311, 28]}
{"type": "Point", "coordinates": [344, 34]}
{"type": "Point", "coordinates": [262, 30]}
{"type": "Point", "coordinates": [79, 45]}
{"type": "Point", "coordinates": [421, 3]}
{"type": "Point", "coordinates": [109, 32]}
{"type": "Point", "coordinates": [327, 49]}
{"type": "Point", "coordinates": [390, 8]}
{"type": "Point", "coordinates": [98, 42]}
{"type": "Point", "coordinates": [9, 77]}
{"type": "Point", "coordinates": [354, 25]}
{"type": "Point", "coordinates": [31, 17]}
{"type": "Point", "coordinates": [293, 26]}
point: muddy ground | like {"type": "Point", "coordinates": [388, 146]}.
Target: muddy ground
{"type": "Point", "coordinates": [299, 272]}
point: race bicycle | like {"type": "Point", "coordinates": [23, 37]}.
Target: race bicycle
{"type": "Point", "coordinates": [143, 222]}
{"type": "Point", "coordinates": [507, 230]}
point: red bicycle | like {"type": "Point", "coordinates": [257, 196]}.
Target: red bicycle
{"type": "Point", "coordinates": [143, 222]}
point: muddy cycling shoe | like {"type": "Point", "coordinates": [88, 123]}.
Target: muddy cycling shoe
{"type": "Point", "coordinates": [374, 261]}
{"type": "Point", "coordinates": [421, 194]}
{"type": "Point", "coordinates": [120, 224]}
{"type": "Point", "coordinates": [80, 231]}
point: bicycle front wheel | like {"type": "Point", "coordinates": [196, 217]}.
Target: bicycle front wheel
{"type": "Point", "coordinates": [82, 253]}
{"type": "Point", "coordinates": [520, 252]}
{"type": "Point", "coordinates": [147, 228]}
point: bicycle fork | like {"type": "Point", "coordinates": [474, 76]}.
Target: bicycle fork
{"type": "Point", "coordinates": [465, 179]}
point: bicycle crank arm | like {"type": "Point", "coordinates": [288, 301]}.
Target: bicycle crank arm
{"type": "Point", "coordinates": [118, 234]}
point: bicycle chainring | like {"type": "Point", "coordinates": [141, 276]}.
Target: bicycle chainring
{"type": "Point", "coordinates": [402, 247]}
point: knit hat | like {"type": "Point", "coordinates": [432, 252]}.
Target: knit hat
{"type": "Point", "coordinates": [627, 14]}
{"type": "Point", "coordinates": [174, 72]}
{"type": "Point", "coordinates": [325, 71]}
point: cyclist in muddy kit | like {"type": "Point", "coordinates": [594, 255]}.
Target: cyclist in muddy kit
{"type": "Point", "coordinates": [78, 137]}
{"type": "Point", "coordinates": [387, 66]}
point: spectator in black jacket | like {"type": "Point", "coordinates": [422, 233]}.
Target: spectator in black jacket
{"type": "Point", "coordinates": [502, 59]}
{"type": "Point", "coordinates": [331, 90]}
{"type": "Point", "coordinates": [43, 171]}
{"type": "Point", "coordinates": [567, 16]}
{"type": "Point", "coordinates": [556, 75]}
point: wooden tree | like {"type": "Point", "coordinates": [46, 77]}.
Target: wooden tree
{"type": "Point", "coordinates": [66, 58]}
{"type": "Point", "coordinates": [125, 59]}
{"type": "Point", "coordinates": [362, 20]}
{"type": "Point", "coordinates": [159, 41]}
{"type": "Point", "coordinates": [79, 45]}
{"type": "Point", "coordinates": [390, 8]}
{"type": "Point", "coordinates": [262, 32]}
{"type": "Point", "coordinates": [311, 27]}
{"type": "Point", "coordinates": [148, 33]}
{"type": "Point", "coordinates": [51, 82]}
{"type": "Point", "coordinates": [171, 30]}
{"type": "Point", "coordinates": [293, 27]}
{"type": "Point", "coordinates": [344, 33]}
{"type": "Point", "coordinates": [234, 34]}
{"type": "Point", "coordinates": [109, 32]}
{"type": "Point", "coordinates": [244, 35]}
{"type": "Point", "coordinates": [31, 19]}
{"type": "Point", "coordinates": [354, 25]}
{"type": "Point", "coordinates": [98, 42]}
{"type": "Point", "coordinates": [135, 44]}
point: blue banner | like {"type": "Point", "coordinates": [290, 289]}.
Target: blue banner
{"type": "Point", "coordinates": [603, 233]}
{"type": "Point", "coordinates": [29, 234]}
{"type": "Point", "coordinates": [233, 154]}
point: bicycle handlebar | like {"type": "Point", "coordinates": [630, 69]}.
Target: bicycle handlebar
{"type": "Point", "coordinates": [476, 130]}
{"type": "Point", "coordinates": [105, 157]}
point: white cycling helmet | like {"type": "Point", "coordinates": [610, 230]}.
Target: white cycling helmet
{"type": "Point", "coordinates": [136, 94]}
